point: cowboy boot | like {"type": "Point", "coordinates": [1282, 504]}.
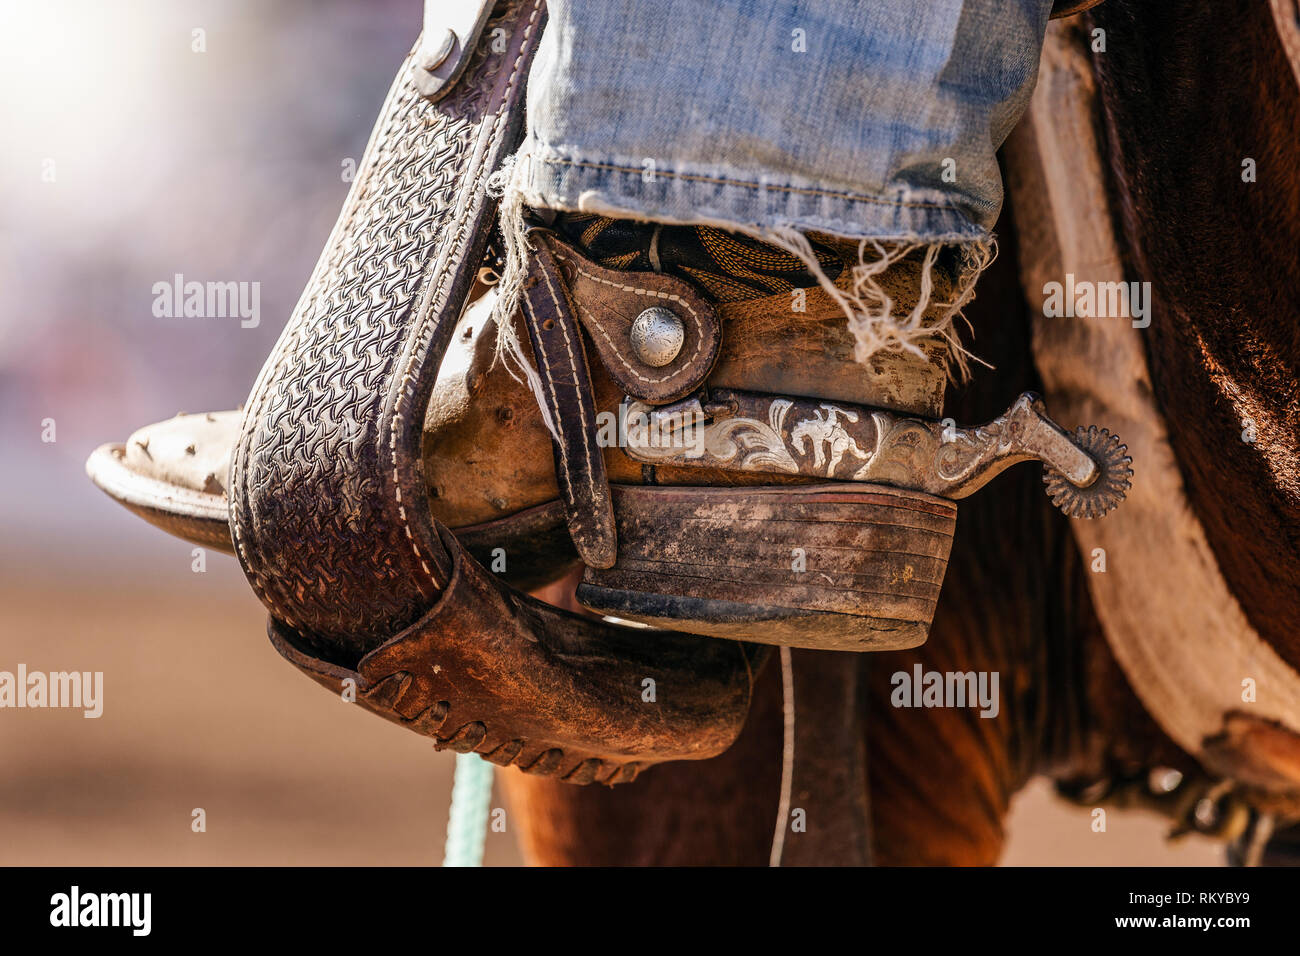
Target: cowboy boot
{"type": "Point", "coordinates": [506, 509]}
{"type": "Point", "coordinates": [384, 418]}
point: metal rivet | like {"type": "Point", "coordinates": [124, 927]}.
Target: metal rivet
{"type": "Point", "coordinates": [1164, 780]}
{"type": "Point", "coordinates": [657, 336]}
{"type": "Point", "coordinates": [436, 50]}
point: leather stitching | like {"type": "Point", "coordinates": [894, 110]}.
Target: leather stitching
{"type": "Point", "coordinates": [555, 401]}
{"type": "Point", "coordinates": [417, 354]}
{"type": "Point", "coordinates": [649, 293]}
{"type": "Point", "coordinates": [582, 411]}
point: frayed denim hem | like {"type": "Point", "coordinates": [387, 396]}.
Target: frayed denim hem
{"type": "Point", "coordinates": [887, 230]}
{"type": "Point", "coordinates": [731, 199]}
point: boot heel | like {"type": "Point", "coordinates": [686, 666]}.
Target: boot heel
{"type": "Point", "coordinates": [837, 567]}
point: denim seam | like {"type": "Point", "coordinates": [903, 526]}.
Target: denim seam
{"type": "Point", "coordinates": [761, 187]}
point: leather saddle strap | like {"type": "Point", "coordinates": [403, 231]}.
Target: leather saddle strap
{"type": "Point", "coordinates": [567, 393]}
{"type": "Point", "coordinates": [328, 507]}
{"type": "Point", "coordinates": [831, 785]}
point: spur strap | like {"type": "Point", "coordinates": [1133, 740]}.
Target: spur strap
{"type": "Point", "coordinates": [567, 396]}
{"type": "Point", "coordinates": [565, 294]}
{"type": "Point", "coordinates": [328, 509]}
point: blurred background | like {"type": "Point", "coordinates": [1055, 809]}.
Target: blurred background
{"type": "Point", "coordinates": [210, 138]}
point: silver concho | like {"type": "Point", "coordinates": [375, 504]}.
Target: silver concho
{"type": "Point", "coordinates": [657, 336]}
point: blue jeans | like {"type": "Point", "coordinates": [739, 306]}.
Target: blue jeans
{"type": "Point", "coordinates": [857, 118]}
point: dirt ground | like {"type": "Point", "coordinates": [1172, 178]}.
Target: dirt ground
{"type": "Point", "coordinates": [200, 713]}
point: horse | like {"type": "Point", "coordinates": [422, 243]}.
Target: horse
{"type": "Point", "coordinates": [1147, 659]}
{"type": "Point", "coordinates": [1164, 197]}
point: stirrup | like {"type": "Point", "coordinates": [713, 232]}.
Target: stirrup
{"type": "Point", "coordinates": [734, 497]}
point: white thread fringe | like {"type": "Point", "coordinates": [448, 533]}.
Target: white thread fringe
{"type": "Point", "coordinates": [501, 185]}
{"type": "Point", "coordinates": [873, 319]}
{"type": "Point", "coordinates": [872, 316]}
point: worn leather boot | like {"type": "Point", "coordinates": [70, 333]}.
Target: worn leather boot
{"type": "Point", "coordinates": [491, 477]}
{"type": "Point", "coordinates": [693, 538]}
{"type": "Point", "coordinates": [687, 415]}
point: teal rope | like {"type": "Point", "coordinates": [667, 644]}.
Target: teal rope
{"type": "Point", "coordinates": [471, 792]}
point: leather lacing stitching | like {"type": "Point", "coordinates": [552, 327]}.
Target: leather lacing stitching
{"type": "Point", "coordinates": [384, 695]}
{"type": "Point", "coordinates": [417, 354]}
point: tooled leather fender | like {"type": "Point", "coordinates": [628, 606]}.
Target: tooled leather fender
{"type": "Point", "coordinates": [329, 512]}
